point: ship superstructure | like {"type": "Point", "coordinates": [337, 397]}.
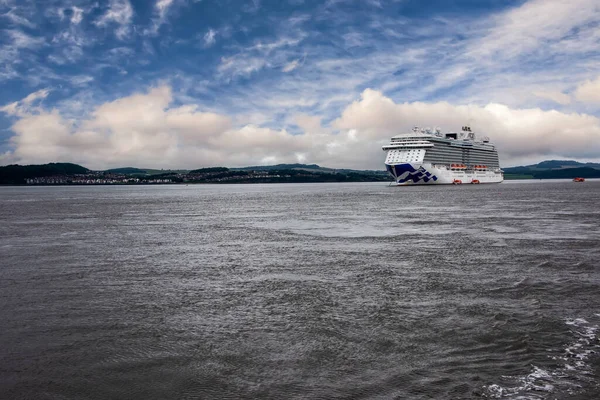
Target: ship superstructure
{"type": "Point", "coordinates": [428, 156]}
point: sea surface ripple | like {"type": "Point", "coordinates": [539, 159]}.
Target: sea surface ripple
{"type": "Point", "coordinates": [298, 291]}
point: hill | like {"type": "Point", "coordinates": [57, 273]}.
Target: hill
{"type": "Point", "coordinates": [583, 172]}
{"type": "Point", "coordinates": [280, 167]}
{"type": "Point", "coordinates": [554, 169]}
{"type": "Point", "coordinates": [142, 171]}
{"type": "Point", "coordinates": [127, 171]}
{"type": "Point", "coordinates": [18, 174]}
{"type": "Point", "coordinates": [208, 170]}
{"type": "Point", "coordinates": [67, 173]}
{"type": "Point", "coordinates": [311, 168]}
{"type": "Point", "coordinates": [63, 174]}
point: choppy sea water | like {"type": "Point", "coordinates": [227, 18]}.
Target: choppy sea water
{"type": "Point", "coordinates": [358, 291]}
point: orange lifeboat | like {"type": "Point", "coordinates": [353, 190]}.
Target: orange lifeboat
{"type": "Point", "coordinates": [457, 182]}
{"type": "Point", "coordinates": [475, 181]}
{"type": "Point", "coordinates": [578, 179]}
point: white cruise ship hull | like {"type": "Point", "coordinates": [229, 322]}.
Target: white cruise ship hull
{"type": "Point", "coordinates": [428, 174]}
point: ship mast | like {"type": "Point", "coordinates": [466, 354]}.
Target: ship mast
{"type": "Point", "coordinates": [467, 133]}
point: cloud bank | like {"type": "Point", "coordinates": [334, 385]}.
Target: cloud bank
{"type": "Point", "coordinates": [149, 130]}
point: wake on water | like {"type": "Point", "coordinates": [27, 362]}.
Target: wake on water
{"type": "Point", "coordinates": [571, 376]}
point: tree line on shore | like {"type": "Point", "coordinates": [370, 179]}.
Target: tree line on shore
{"type": "Point", "coordinates": [67, 173]}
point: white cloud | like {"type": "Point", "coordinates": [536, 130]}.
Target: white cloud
{"type": "Point", "coordinates": [310, 124]}
{"type": "Point", "coordinates": [536, 22]}
{"type": "Point", "coordinates": [589, 91]}
{"type": "Point", "coordinates": [17, 19]}
{"type": "Point", "coordinates": [240, 66]}
{"type": "Point", "coordinates": [81, 80]}
{"type": "Point", "coordinates": [68, 45]}
{"type": "Point", "coordinates": [274, 45]}
{"type": "Point", "coordinates": [119, 12]}
{"type": "Point", "coordinates": [76, 13]}
{"type": "Point", "coordinates": [21, 40]}
{"type": "Point", "coordinates": [77, 16]}
{"type": "Point", "coordinates": [262, 54]}
{"type": "Point", "coordinates": [162, 6]}
{"type": "Point", "coordinates": [554, 95]}
{"type": "Point", "coordinates": [11, 108]}
{"type": "Point", "coordinates": [141, 129]}
{"type": "Point", "coordinates": [291, 66]}
{"type": "Point", "coordinates": [7, 158]}
{"type": "Point", "coordinates": [25, 106]}
{"type": "Point", "coordinates": [121, 52]}
{"type": "Point", "coordinates": [145, 129]}
{"type": "Point", "coordinates": [517, 132]}
{"type": "Point", "coordinates": [251, 8]}
{"type": "Point", "coordinates": [161, 11]}
{"type": "Point", "coordinates": [209, 38]}
{"type": "Point", "coordinates": [40, 94]}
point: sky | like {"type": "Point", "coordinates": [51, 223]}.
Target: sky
{"type": "Point", "coordinates": [197, 83]}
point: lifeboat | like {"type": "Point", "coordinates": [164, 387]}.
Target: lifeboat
{"type": "Point", "coordinates": [578, 179]}
{"type": "Point", "coordinates": [457, 182]}
{"type": "Point", "coordinates": [475, 181]}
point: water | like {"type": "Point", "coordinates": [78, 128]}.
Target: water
{"type": "Point", "coordinates": [300, 291]}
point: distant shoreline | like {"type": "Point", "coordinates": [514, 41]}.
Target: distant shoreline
{"type": "Point", "coordinates": [256, 183]}
{"type": "Point", "coordinates": [73, 174]}
{"type": "Point", "coordinates": [67, 174]}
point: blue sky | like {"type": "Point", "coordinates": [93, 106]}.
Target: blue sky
{"type": "Point", "coordinates": [188, 83]}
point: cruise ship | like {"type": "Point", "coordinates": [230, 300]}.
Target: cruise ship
{"type": "Point", "coordinates": [430, 157]}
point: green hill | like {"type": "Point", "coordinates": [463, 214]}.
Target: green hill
{"type": "Point", "coordinates": [143, 171]}
{"type": "Point", "coordinates": [281, 167]}
{"type": "Point", "coordinates": [127, 171]}
{"type": "Point", "coordinates": [583, 172]}
{"type": "Point", "coordinates": [209, 170]}
{"type": "Point", "coordinates": [554, 169]}
{"type": "Point", "coordinates": [313, 168]}
{"type": "Point", "coordinates": [18, 174]}
{"type": "Point", "coordinates": [557, 164]}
